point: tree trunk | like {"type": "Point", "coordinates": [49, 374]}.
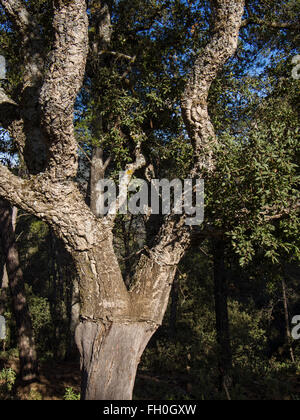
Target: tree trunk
{"type": "Point", "coordinates": [3, 290]}
{"type": "Point", "coordinates": [26, 343]}
{"type": "Point", "coordinates": [174, 307]}
{"type": "Point", "coordinates": [116, 323]}
{"type": "Point", "coordinates": [222, 318]}
{"type": "Point", "coordinates": [287, 319]}
{"type": "Point", "coordinates": [114, 330]}
{"type": "Point", "coordinates": [110, 355]}
{"type": "Point", "coordinates": [73, 312]}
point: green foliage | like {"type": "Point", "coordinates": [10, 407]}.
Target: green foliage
{"type": "Point", "coordinates": [70, 395]}
{"type": "Point", "coordinates": [132, 93]}
{"type": "Point", "coordinates": [189, 360]}
{"type": "Point", "coordinates": [42, 323]}
{"type": "Point", "coordinates": [7, 381]}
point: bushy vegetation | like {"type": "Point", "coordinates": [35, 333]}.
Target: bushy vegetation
{"type": "Point", "coordinates": [251, 203]}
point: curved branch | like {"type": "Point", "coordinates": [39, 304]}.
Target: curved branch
{"type": "Point", "coordinates": [222, 45]}
{"type": "Point", "coordinates": [252, 20]}
{"type": "Point", "coordinates": [17, 12]}
{"type": "Point", "coordinates": [174, 237]}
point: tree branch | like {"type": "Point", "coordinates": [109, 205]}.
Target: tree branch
{"type": "Point", "coordinates": [118, 54]}
{"type": "Point", "coordinates": [252, 20]}
{"type": "Point", "coordinates": [60, 205]}
{"type": "Point", "coordinates": [17, 12]}
{"type": "Point", "coordinates": [174, 237]}
{"type": "Point", "coordinates": [227, 15]}
{"type": "Point", "coordinates": [125, 180]}
{"type": "Point", "coordinates": [282, 213]}
{"type": "Point", "coordinates": [98, 169]}
{"type": "Point", "coordinates": [62, 83]}
{"type": "Point", "coordinates": [25, 128]}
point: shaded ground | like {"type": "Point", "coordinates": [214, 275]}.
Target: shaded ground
{"type": "Point", "coordinates": [55, 378]}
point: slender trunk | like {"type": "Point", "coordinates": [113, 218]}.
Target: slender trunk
{"type": "Point", "coordinates": [26, 343]}
{"type": "Point", "coordinates": [174, 306]}
{"type": "Point", "coordinates": [222, 318]}
{"type": "Point", "coordinates": [3, 290]}
{"type": "Point", "coordinates": [59, 257]}
{"type": "Point", "coordinates": [73, 312]}
{"type": "Point", "coordinates": [4, 293]}
{"type": "Point", "coordinates": [110, 355]}
{"type": "Point", "coordinates": [287, 319]}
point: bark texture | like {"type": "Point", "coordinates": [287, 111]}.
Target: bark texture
{"type": "Point", "coordinates": [226, 23]}
{"type": "Point", "coordinates": [116, 323]}
{"type": "Point", "coordinates": [110, 357]}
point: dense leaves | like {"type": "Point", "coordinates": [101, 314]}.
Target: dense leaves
{"type": "Point", "coordinates": [132, 93]}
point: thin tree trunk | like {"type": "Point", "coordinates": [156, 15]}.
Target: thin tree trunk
{"type": "Point", "coordinates": [222, 318]}
{"type": "Point", "coordinates": [73, 311]}
{"type": "Point", "coordinates": [26, 343]}
{"type": "Point", "coordinates": [174, 307]}
{"type": "Point", "coordinates": [287, 318]}
{"type": "Point", "coordinates": [3, 290]}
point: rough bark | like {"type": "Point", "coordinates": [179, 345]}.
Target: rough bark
{"type": "Point", "coordinates": [3, 290]}
{"type": "Point", "coordinates": [26, 343]}
{"type": "Point", "coordinates": [110, 356]}
{"type": "Point", "coordinates": [61, 85]}
{"type": "Point", "coordinates": [116, 323]}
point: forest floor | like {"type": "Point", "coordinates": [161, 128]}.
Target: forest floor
{"type": "Point", "coordinates": [54, 379]}
{"type": "Point", "coordinates": [57, 377]}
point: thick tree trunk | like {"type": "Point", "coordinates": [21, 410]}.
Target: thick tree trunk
{"type": "Point", "coordinates": [110, 355]}
{"type": "Point", "coordinates": [117, 324]}
{"type": "Point", "coordinates": [26, 344]}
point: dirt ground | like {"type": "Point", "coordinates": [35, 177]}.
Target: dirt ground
{"type": "Point", "coordinates": [53, 380]}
